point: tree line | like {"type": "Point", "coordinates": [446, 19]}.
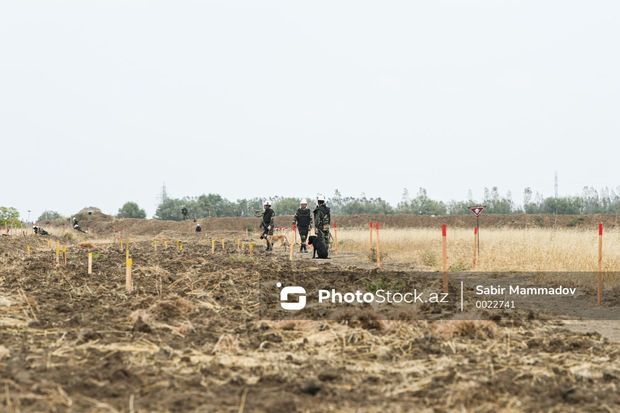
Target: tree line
{"type": "Point", "coordinates": [590, 201]}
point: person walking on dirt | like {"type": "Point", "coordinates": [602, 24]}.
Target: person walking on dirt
{"type": "Point", "coordinates": [322, 220]}
{"type": "Point", "coordinates": [303, 220]}
{"type": "Point", "coordinates": [267, 224]}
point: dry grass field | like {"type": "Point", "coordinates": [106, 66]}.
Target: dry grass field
{"type": "Point", "coordinates": [501, 249]}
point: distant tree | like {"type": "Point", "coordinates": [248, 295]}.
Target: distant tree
{"type": "Point", "coordinates": [459, 207]}
{"type": "Point", "coordinates": [335, 203]}
{"type": "Point", "coordinates": [405, 196]}
{"type": "Point", "coordinates": [423, 205]}
{"type": "Point", "coordinates": [496, 204]}
{"type": "Point", "coordinates": [131, 210]}
{"type": "Point", "coordinates": [285, 205]}
{"type": "Point", "coordinates": [562, 205]}
{"type": "Point", "coordinates": [9, 217]}
{"type": "Point", "coordinates": [50, 216]}
{"type": "Point", "coordinates": [212, 205]}
{"type": "Point", "coordinates": [527, 197]}
{"type": "Point", "coordinates": [170, 209]}
{"type": "Point", "coordinates": [247, 207]}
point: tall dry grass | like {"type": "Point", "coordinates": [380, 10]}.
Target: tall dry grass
{"type": "Point", "coordinates": [501, 249]}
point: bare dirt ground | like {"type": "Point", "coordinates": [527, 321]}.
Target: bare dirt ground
{"type": "Point", "coordinates": [189, 339]}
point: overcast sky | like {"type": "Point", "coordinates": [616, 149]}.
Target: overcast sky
{"type": "Point", "coordinates": [102, 102]}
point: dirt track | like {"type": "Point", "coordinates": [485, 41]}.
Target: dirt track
{"type": "Point", "coordinates": [189, 340]}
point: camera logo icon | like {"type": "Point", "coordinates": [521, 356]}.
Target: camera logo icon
{"type": "Point", "coordinates": [296, 290]}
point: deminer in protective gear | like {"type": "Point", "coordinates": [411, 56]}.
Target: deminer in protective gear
{"type": "Point", "coordinates": [267, 223]}
{"type": "Point", "coordinates": [322, 220]}
{"type": "Point", "coordinates": [303, 220]}
{"type": "Point", "coordinates": [76, 226]}
{"type": "Point", "coordinates": [39, 231]}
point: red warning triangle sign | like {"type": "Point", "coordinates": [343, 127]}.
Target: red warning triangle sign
{"type": "Point", "coordinates": [477, 210]}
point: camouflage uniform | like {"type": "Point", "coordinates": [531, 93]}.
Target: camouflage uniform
{"type": "Point", "coordinates": [303, 220]}
{"type": "Point", "coordinates": [322, 220]}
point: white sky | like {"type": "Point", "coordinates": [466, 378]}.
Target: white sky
{"type": "Point", "coordinates": [103, 101]}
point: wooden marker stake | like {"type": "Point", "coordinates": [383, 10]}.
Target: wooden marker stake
{"type": "Point", "coordinates": [378, 245]}
{"type": "Point", "coordinates": [64, 254]}
{"type": "Point", "coordinates": [251, 248]}
{"type": "Point", "coordinates": [128, 278]}
{"type": "Point", "coordinates": [223, 243]}
{"type": "Point", "coordinates": [600, 264]}
{"type": "Point", "coordinates": [212, 246]}
{"type": "Point", "coordinates": [90, 263]}
{"type": "Point", "coordinates": [57, 254]}
{"type": "Point", "coordinates": [444, 254]}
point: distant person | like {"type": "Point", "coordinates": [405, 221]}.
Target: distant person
{"type": "Point", "coordinates": [76, 226]}
{"type": "Point", "coordinates": [39, 231]}
{"type": "Point", "coordinates": [184, 212]}
{"type": "Point", "coordinates": [267, 223]}
{"type": "Point", "coordinates": [303, 220]}
{"type": "Point", "coordinates": [198, 229]}
{"type": "Point", "coordinates": [322, 220]}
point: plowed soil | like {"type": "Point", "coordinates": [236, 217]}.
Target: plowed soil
{"type": "Point", "coordinates": [189, 339]}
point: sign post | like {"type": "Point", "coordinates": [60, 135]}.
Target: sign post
{"type": "Point", "coordinates": [477, 210]}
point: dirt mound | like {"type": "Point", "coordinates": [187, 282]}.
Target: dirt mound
{"type": "Point", "coordinates": [92, 215]}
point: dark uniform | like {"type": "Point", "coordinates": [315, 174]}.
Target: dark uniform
{"type": "Point", "coordinates": [39, 231]}
{"type": "Point", "coordinates": [76, 225]}
{"type": "Point", "coordinates": [322, 220]}
{"type": "Point", "coordinates": [303, 220]}
{"type": "Point", "coordinates": [267, 225]}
